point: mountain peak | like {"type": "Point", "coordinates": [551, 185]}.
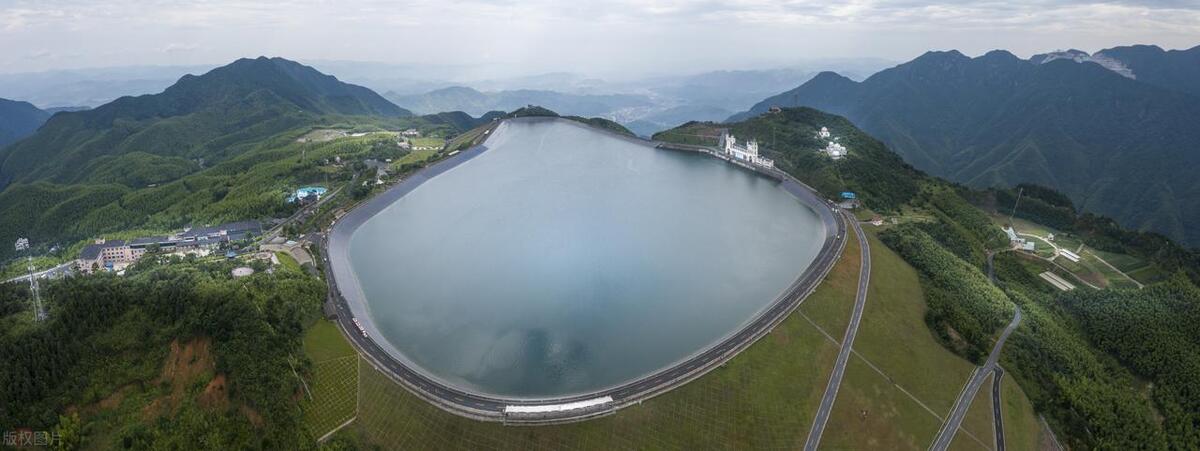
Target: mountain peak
{"type": "Point", "coordinates": [19, 119]}
{"type": "Point", "coordinates": [1105, 60]}
{"type": "Point", "coordinates": [999, 56]}
{"type": "Point", "coordinates": [829, 76]}
{"type": "Point", "coordinates": [271, 94]}
{"type": "Point", "coordinates": [941, 55]}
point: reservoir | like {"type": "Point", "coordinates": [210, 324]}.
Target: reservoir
{"type": "Point", "coordinates": [563, 260]}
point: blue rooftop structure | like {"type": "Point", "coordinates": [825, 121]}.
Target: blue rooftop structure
{"type": "Point", "coordinates": [848, 195]}
{"type": "Point", "coordinates": [307, 191]}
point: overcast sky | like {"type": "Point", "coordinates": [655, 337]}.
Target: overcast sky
{"type": "Point", "coordinates": [603, 38]}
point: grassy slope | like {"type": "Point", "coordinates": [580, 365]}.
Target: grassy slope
{"type": "Point", "coordinates": [763, 398]}
{"type": "Point", "coordinates": [324, 341]}
{"type": "Point", "coordinates": [333, 380]}
{"type": "Point", "coordinates": [828, 308]}
{"type": "Point", "coordinates": [979, 416]}
{"type": "Point", "coordinates": [893, 336]}
{"type": "Point", "coordinates": [1021, 428]}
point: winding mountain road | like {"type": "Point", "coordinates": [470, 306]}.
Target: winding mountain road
{"type": "Point", "coordinates": [839, 369]}
{"type": "Point", "coordinates": [954, 420]}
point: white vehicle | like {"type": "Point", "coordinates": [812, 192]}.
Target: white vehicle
{"type": "Point", "coordinates": [359, 326]}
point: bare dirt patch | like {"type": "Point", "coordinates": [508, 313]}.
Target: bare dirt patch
{"type": "Point", "coordinates": [252, 415]}
{"type": "Point", "coordinates": [186, 363]}
{"type": "Point", "coordinates": [216, 394]}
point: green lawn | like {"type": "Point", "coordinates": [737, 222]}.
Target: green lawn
{"type": "Point", "coordinates": [872, 413]}
{"type": "Point", "coordinates": [333, 381]}
{"type": "Point", "coordinates": [893, 336]}
{"type": "Point", "coordinates": [427, 142]}
{"type": "Point", "coordinates": [828, 308]}
{"type": "Point", "coordinates": [334, 386]}
{"type": "Point", "coordinates": [1149, 274]}
{"type": "Point", "coordinates": [415, 156]}
{"type": "Point", "coordinates": [287, 262]}
{"type": "Point", "coordinates": [324, 341]}
{"type": "Point", "coordinates": [1122, 262]}
{"type": "Point", "coordinates": [1021, 428]}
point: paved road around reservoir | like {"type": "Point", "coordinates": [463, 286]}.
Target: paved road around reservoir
{"type": "Point", "coordinates": [839, 369]}
{"type": "Point", "coordinates": [492, 408]}
{"type": "Point", "coordinates": [954, 420]}
{"type": "Point", "coordinates": [997, 415]}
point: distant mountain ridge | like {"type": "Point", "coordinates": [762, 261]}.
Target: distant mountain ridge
{"type": "Point", "coordinates": [1121, 147]}
{"type": "Point", "coordinates": [471, 101]}
{"type": "Point", "coordinates": [1175, 69]}
{"type": "Point", "coordinates": [199, 118]}
{"type": "Point", "coordinates": [18, 120]}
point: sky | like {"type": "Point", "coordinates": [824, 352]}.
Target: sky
{"type": "Point", "coordinates": [610, 38]}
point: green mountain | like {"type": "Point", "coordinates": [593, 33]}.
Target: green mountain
{"type": "Point", "coordinates": [1117, 146]}
{"type": "Point", "coordinates": [218, 146]}
{"type": "Point", "coordinates": [197, 121]}
{"type": "Point", "coordinates": [18, 120]}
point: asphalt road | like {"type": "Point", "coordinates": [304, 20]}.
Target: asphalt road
{"type": "Point", "coordinates": [52, 273]}
{"type": "Point", "coordinates": [839, 368]}
{"type": "Point", "coordinates": [997, 416]}
{"type": "Point", "coordinates": [954, 420]}
{"type": "Point", "coordinates": [492, 408]}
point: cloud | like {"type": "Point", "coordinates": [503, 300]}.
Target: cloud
{"type": "Point", "coordinates": [552, 35]}
{"type": "Point", "coordinates": [39, 54]}
{"type": "Point", "coordinates": [175, 47]}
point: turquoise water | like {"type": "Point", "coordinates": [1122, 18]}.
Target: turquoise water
{"type": "Point", "coordinates": [564, 260]}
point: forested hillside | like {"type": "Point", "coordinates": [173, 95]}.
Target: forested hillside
{"type": "Point", "coordinates": [790, 138]}
{"type": "Point", "coordinates": [18, 120]}
{"type": "Point", "coordinates": [176, 354]}
{"type": "Point", "coordinates": [200, 119]}
{"type": "Point", "coordinates": [1117, 146]}
{"type": "Point", "coordinates": [222, 146]}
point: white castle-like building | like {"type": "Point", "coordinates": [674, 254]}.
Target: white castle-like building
{"type": "Point", "coordinates": [834, 150]}
{"type": "Point", "coordinates": [747, 153]}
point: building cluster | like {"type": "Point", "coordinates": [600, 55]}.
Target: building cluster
{"type": "Point", "coordinates": [115, 255]}
{"type": "Point", "coordinates": [307, 194]}
{"type": "Point", "coordinates": [747, 153]}
{"type": "Point", "coordinates": [1018, 242]}
{"type": "Point", "coordinates": [833, 149]}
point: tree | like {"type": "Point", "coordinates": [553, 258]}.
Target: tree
{"type": "Point", "coordinates": [69, 432]}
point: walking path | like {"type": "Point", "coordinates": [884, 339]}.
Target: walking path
{"type": "Point", "coordinates": [839, 369]}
